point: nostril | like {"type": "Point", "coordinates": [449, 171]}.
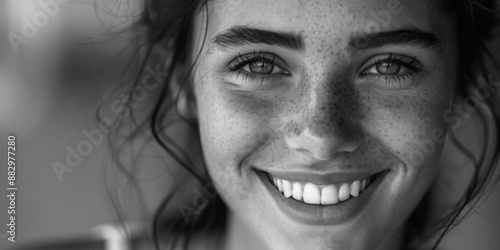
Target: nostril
{"type": "Point", "coordinates": [323, 146]}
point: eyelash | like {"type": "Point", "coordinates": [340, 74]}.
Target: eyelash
{"type": "Point", "coordinates": [389, 80]}
{"type": "Point", "coordinates": [396, 80]}
{"type": "Point", "coordinates": [410, 62]}
{"type": "Point", "coordinates": [241, 60]}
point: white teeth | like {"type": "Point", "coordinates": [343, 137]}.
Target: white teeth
{"type": "Point", "coordinates": [298, 190]}
{"type": "Point", "coordinates": [344, 192]}
{"type": "Point", "coordinates": [329, 195]}
{"type": "Point", "coordinates": [355, 188]}
{"type": "Point", "coordinates": [311, 194]}
{"type": "Point", "coordinates": [287, 189]}
{"type": "Point", "coordinates": [320, 194]}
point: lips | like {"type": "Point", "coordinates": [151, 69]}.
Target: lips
{"type": "Point", "coordinates": [315, 199]}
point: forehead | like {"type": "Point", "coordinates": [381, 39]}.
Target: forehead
{"type": "Point", "coordinates": [329, 19]}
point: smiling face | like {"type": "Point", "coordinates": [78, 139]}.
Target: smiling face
{"type": "Point", "coordinates": [337, 105]}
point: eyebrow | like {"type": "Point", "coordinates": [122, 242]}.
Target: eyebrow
{"type": "Point", "coordinates": [243, 35]}
{"type": "Point", "coordinates": [415, 37]}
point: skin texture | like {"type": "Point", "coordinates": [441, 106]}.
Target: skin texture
{"type": "Point", "coordinates": [323, 116]}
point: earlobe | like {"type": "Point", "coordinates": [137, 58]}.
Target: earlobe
{"type": "Point", "coordinates": [186, 103]}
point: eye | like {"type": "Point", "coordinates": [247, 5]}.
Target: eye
{"type": "Point", "coordinates": [258, 64]}
{"type": "Point", "coordinates": [391, 65]}
{"type": "Point", "coordinates": [388, 68]}
{"type": "Point", "coordinates": [261, 67]}
{"type": "Point", "coordinates": [391, 71]}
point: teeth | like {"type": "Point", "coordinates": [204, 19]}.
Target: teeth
{"type": "Point", "coordinates": [280, 185]}
{"type": "Point", "coordinates": [298, 190]}
{"type": "Point", "coordinates": [321, 194]}
{"type": "Point", "coordinates": [287, 189]}
{"type": "Point", "coordinates": [329, 195]}
{"type": "Point", "coordinates": [355, 188]}
{"type": "Point", "coordinates": [311, 194]}
{"type": "Point", "coordinates": [344, 192]}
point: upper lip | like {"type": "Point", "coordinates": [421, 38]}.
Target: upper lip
{"type": "Point", "coordinates": [321, 178]}
{"type": "Point", "coordinates": [323, 172]}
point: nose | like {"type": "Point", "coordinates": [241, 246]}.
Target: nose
{"type": "Point", "coordinates": [328, 127]}
{"type": "Point", "coordinates": [323, 144]}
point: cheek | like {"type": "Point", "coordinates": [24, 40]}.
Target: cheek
{"type": "Point", "coordinates": [411, 124]}
{"type": "Point", "coordinates": [404, 125]}
{"type": "Point", "coordinates": [231, 127]}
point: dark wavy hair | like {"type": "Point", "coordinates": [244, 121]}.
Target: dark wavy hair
{"type": "Point", "coordinates": [162, 37]}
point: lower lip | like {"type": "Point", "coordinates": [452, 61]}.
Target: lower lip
{"type": "Point", "coordinates": [312, 214]}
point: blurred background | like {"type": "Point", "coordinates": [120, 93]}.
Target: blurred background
{"type": "Point", "coordinates": [48, 99]}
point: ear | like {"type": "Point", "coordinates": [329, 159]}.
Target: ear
{"type": "Point", "coordinates": [186, 99]}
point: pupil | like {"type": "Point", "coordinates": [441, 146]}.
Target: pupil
{"type": "Point", "coordinates": [260, 67]}
{"type": "Point", "coordinates": [388, 68]}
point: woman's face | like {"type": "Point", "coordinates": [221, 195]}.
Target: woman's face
{"type": "Point", "coordinates": [339, 104]}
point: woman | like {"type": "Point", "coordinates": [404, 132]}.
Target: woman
{"type": "Point", "coordinates": [315, 124]}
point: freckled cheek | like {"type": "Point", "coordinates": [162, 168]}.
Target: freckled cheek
{"type": "Point", "coordinates": [231, 125]}
{"type": "Point", "coordinates": [231, 129]}
{"type": "Point", "coordinates": [408, 124]}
